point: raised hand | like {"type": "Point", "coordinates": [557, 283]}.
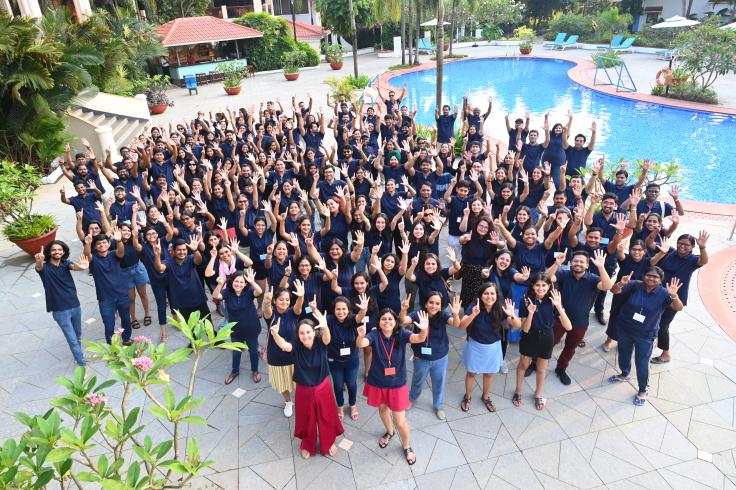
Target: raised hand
{"type": "Point", "coordinates": [40, 257]}
{"type": "Point", "coordinates": [627, 278]}
{"type": "Point", "coordinates": [664, 245]}
{"type": "Point", "coordinates": [405, 304]}
{"type": "Point", "coordinates": [423, 322]}
{"type": "Point", "coordinates": [526, 272]}
{"type": "Point", "coordinates": [299, 288]}
{"type": "Point", "coordinates": [702, 240]}
{"type": "Point", "coordinates": [455, 306]}
{"type": "Point", "coordinates": [359, 237]}
{"type": "Point", "coordinates": [220, 280]}
{"type": "Point", "coordinates": [376, 262]}
{"type": "Point", "coordinates": [361, 330]}
{"type": "Point", "coordinates": [476, 308]}
{"type": "Point", "coordinates": [415, 259]}
{"type": "Point", "coordinates": [451, 254]}
{"type": "Point", "coordinates": [275, 327]}
{"type": "Point", "coordinates": [508, 307]}
{"type": "Point", "coordinates": [376, 248]}
{"type": "Point", "coordinates": [674, 286]}
{"type": "Point", "coordinates": [363, 302]}
{"type": "Point", "coordinates": [561, 257]}
{"type": "Point", "coordinates": [287, 269]}
{"type": "Point", "coordinates": [268, 296]}
{"type": "Point", "coordinates": [83, 261]}
{"type": "Point", "coordinates": [250, 276]}
{"type": "Point", "coordinates": [531, 307]}
{"type": "Point", "coordinates": [555, 298]}
{"type": "Point", "coordinates": [599, 258]}
{"type": "Point", "coordinates": [675, 192]}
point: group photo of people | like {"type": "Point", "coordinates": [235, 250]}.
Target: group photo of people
{"type": "Point", "coordinates": [347, 250]}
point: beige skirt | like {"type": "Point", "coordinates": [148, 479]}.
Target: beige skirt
{"type": "Point", "coordinates": [281, 377]}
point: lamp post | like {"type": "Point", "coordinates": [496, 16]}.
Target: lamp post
{"type": "Point", "coordinates": [293, 18]}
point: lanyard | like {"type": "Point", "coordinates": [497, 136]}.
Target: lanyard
{"type": "Point", "coordinates": [383, 344]}
{"type": "Point", "coordinates": [641, 311]}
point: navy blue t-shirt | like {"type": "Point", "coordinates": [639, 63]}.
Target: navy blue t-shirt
{"type": "Point", "coordinates": [544, 316]}
{"type": "Point", "coordinates": [381, 346]}
{"type": "Point", "coordinates": [110, 284]}
{"type": "Point", "coordinates": [643, 208]}
{"type": "Point", "coordinates": [577, 295]}
{"type": "Point", "coordinates": [680, 267]}
{"type": "Point", "coordinates": [391, 296]}
{"type": "Point", "coordinates": [437, 340]}
{"type": "Point", "coordinates": [455, 214]}
{"type": "Point", "coordinates": [287, 330]}
{"type": "Point", "coordinates": [533, 156]}
{"type": "Point", "coordinates": [576, 159]}
{"type": "Point", "coordinates": [343, 337]}
{"type": "Point", "coordinates": [639, 302]}
{"type": "Point", "coordinates": [623, 192]}
{"type": "Point", "coordinates": [436, 282]}
{"type": "Point", "coordinates": [445, 127]}
{"type": "Point", "coordinates": [58, 284]}
{"type": "Point", "coordinates": [242, 311]}
{"type": "Point", "coordinates": [185, 287]}
{"type": "Point", "coordinates": [534, 258]}
{"type": "Point", "coordinates": [310, 364]}
{"type": "Point", "coordinates": [481, 329]}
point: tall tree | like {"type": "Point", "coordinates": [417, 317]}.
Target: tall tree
{"type": "Point", "coordinates": [453, 11]}
{"type": "Point", "coordinates": [403, 32]}
{"type": "Point", "coordinates": [440, 49]}
{"type": "Point", "coordinates": [418, 21]}
{"type": "Point", "coordinates": [355, 37]}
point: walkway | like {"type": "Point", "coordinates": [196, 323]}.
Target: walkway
{"type": "Point", "coordinates": [590, 435]}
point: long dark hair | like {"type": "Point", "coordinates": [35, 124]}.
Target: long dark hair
{"type": "Point", "coordinates": [372, 304]}
{"type": "Point", "coordinates": [539, 276]}
{"type": "Point", "coordinates": [497, 314]}
{"type": "Point", "coordinates": [64, 248]}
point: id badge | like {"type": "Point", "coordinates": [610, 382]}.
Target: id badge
{"type": "Point", "coordinates": [605, 240]}
{"type": "Point", "coordinates": [638, 317]}
{"type": "Point", "coordinates": [308, 309]}
{"type": "Point", "coordinates": [263, 256]}
{"type": "Point", "coordinates": [390, 371]}
{"type": "Point", "coordinates": [459, 220]}
{"type": "Point", "coordinates": [366, 319]}
{"type": "Point", "coordinates": [345, 351]}
{"type": "Point", "coordinates": [426, 351]}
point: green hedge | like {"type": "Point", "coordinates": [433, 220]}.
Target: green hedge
{"type": "Point", "coordinates": [267, 52]}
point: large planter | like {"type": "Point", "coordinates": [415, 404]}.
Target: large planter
{"type": "Point", "coordinates": [232, 90]}
{"type": "Point", "coordinates": [291, 76]}
{"type": "Point", "coordinates": [157, 109]}
{"type": "Point", "coordinates": [336, 66]}
{"type": "Point", "coordinates": [31, 246]}
{"type": "Point", "coordinates": [525, 50]}
{"type": "Point", "coordinates": [446, 47]}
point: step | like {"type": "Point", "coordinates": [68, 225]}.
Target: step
{"type": "Point", "coordinates": [123, 137]}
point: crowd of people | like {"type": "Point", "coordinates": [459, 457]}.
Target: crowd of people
{"type": "Point", "coordinates": [334, 243]}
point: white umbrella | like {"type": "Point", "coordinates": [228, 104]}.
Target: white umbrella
{"type": "Point", "coordinates": [732, 26]}
{"type": "Point", "coordinates": [676, 21]}
{"type": "Point", "coordinates": [433, 23]}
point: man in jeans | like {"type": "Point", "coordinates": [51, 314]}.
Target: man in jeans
{"type": "Point", "coordinates": [54, 266]}
{"type": "Point", "coordinates": [110, 284]}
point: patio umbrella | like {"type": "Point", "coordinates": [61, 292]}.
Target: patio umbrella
{"type": "Point", "coordinates": [732, 26]}
{"type": "Point", "coordinates": [433, 23]}
{"type": "Point", "coordinates": [676, 21]}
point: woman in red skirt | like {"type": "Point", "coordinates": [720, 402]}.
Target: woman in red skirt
{"type": "Point", "coordinates": [386, 386]}
{"type": "Point", "coordinates": [315, 405]}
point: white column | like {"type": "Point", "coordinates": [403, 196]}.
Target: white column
{"type": "Point", "coordinates": [106, 140]}
{"type": "Point", "coordinates": [257, 6]}
{"type": "Point", "coordinates": [5, 6]}
{"type": "Point", "coordinates": [34, 9]}
{"type": "Point", "coordinates": [83, 8]}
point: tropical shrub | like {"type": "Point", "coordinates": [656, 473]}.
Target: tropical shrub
{"type": "Point", "coordinates": [661, 173]}
{"type": "Point", "coordinates": [491, 32]}
{"type": "Point", "coordinates": [233, 73]}
{"type": "Point", "coordinates": [267, 52]}
{"type": "Point", "coordinates": [292, 61]}
{"type": "Point", "coordinates": [524, 33]}
{"type": "Point", "coordinates": [18, 184]}
{"type": "Point", "coordinates": [334, 53]}
{"type": "Point", "coordinates": [609, 58]}
{"type": "Point", "coordinates": [155, 87]}
{"type": "Point", "coordinates": [346, 85]}
{"type": "Point", "coordinates": [39, 78]}
{"type": "Point", "coordinates": [103, 442]}
{"type": "Point", "coordinates": [706, 52]}
{"type": "Point", "coordinates": [655, 38]}
{"type": "Point", "coordinates": [571, 24]}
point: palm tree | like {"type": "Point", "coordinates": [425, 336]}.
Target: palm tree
{"type": "Point", "coordinates": [440, 49]}
{"type": "Point", "coordinates": [355, 37]}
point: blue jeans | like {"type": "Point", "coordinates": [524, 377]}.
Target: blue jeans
{"type": "Point", "coordinates": [437, 371]}
{"type": "Point", "coordinates": [642, 350]}
{"type": "Point", "coordinates": [363, 261]}
{"type": "Point", "coordinates": [252, 344]}
{"type": "Point", "coordinates": [160, 292]}
{"type": "Point", "coordinates": [70, 322]}
{"type": "Point", "coordinates": [108, 308]}
{"type": "Point", "coordinates": [345, 373]}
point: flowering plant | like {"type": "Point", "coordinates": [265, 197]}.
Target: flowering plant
{"type": "Point", "coordinates": [662, 173]}
{"type": "Point", "coordinates": [105, 444]}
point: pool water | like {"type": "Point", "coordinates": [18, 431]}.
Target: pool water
{"type": "Point", "coordinates": [703, 142]}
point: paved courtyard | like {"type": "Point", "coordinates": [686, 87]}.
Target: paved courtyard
{"type": "Point", "coordinates": [589, 436]}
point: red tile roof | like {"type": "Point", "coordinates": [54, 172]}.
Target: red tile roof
{"type": "Point", "coordinates": [306, 32]}
{"type": "Point", "coordinates": [205, 29]}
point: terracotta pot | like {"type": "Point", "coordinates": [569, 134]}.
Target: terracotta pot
{"type": "Point", "coordinates": [336, 66]}
{"type": "Point", "coordinates": [232, 90]}
{"type": "Point", "coordinates": [157, 109]}
{"type": "Point", "coordinates": [291, 76]}
{"type": "Point", "coordinates": [446, 47]}
{"type": "Point", "coordinates": [525, 50]}
{"type": "Point", "coordinates": [31, 246]}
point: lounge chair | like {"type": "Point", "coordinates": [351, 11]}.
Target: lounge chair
{"type": "Point", "coordinates": [558, 40]}
{"type": "Point", "coordinates": [666, 54]}
{"type": "Point", "coordinates": [426, 45]}
{"type": "Point", "coordinates": [625, 46]}
{"type": "Point", "coordinates": [615, 43]}
{"type": "Point", "coordinates": [571, 42]}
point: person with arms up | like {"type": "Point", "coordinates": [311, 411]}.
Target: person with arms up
{"type": "Point", "coordinates": [54, 266]}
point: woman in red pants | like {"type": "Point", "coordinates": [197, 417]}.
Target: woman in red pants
{"type": "Point", "coordinates": [315, 405]}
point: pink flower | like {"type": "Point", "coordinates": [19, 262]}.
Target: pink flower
{"type": "Point", "coordinates": [119, 331]}
{"type": "Point", "coordinates": [93, 399]}
{"type": "Point", "coordinates": [142, 339]}
{"type": "Point", "coordinates": [624, 165]}
{"type": "Point", "coordinates": [142, 364]}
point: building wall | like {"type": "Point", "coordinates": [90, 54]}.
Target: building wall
{"type": "Point", "coordinates": [675, 7]}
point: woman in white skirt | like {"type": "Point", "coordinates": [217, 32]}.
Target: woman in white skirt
{"type": "Point", "coordinates": [482, 354]}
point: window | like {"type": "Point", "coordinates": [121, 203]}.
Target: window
{"type": "Point", "coordinates": [283, 7]}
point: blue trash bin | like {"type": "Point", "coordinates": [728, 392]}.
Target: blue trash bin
{"type": "Point", "coordinates": [191, 83]}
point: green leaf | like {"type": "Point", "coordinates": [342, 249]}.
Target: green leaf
{"type": "Point", "coordinates": [163, 448]}
{"type": "Point", "coordinates": [102, 464]}
{"type": "Point", "coordinates": [134, 471]}
{"type": "Point", "coordinates": [143, 454]}
{"type": "Point", "coordinates": [43, 478]}
{"type": "Point", "coordinates": [87, 477]}
{"type": "Point", "coordinates": [193, 450]}
{"type": "Point", "coordinates": [131, 419]}
{"type": "Point", "coordinates": [178, 467]}
{"type": "Point", "coordinates": [159, 412]}
{"type": "Point", "coordinates": [193, 419]}
{"type": "Point", "coordinates": [60, 454]}
{"type": "Point", "coordinates": [169, 398]}
{"type": "Point", "coordinates": [105, 384]}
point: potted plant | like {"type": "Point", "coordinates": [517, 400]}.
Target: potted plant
{"type": "Point", "coordinates": [334, 55]}
{"type": "Point", "coordinates": [525, 47]}
{"type": "Point", "coordinates": [679, 75]}
{"type": "Point", "coordinates": [155, 87]}
{"type": "Point", "coordinates": [29, 230]}
{"type": "Point", "coordinates": [233, 73]}
{"type": "Point", "coordinates": [292, 60]}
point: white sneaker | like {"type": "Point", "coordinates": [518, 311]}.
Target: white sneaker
{"type": "Point", "coordinates": [289, 409]}
{"type": "Point", "coordinates": [504, 368]}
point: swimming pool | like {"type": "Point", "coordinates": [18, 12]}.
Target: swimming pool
{"type": "Point", "coordinates": [703, 142]}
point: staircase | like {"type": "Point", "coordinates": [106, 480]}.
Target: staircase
{"type": "Point", "coordinates": [107, 121]}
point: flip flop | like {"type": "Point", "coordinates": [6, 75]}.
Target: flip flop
{"type": "Point", "coordinates": [135, 325]}
{"type": "Point", "coordinates": [465, 404]}
{"type": "Point", "coordinates": [516, 399]}
{"type": "Point", "coordinates": [146, 320]}
{"type": "Point", "coordinates": [354, 413]}
{"type": "Point", "coordinates": [489, 404]}
{"type": "Point", "coordinates": [658, 360]}
{"type": "Point", "coordinates": [619, 379]}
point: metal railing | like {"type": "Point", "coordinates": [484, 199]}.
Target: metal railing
{"type": "Point", "coordinates": [621, 72]}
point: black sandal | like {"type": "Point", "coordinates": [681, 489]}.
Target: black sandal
{"type": "Point", "coordinates": [489, 404]}
{"type": "Point", "coordinates": [516, 399]}
{"type": "Point", "coordinates": [407, 452]}
{"type": "Point", "coordinates": [387, 437]}
{"type": "Point", "coordinates": [146, 320]}
{"type": "Point", "coordinates": [465, 404]}
{"type": "Point", "coordinates": [134, 324]}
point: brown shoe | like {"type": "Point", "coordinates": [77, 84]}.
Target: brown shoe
{"type": "Point", "coordinates": [231, 377]}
